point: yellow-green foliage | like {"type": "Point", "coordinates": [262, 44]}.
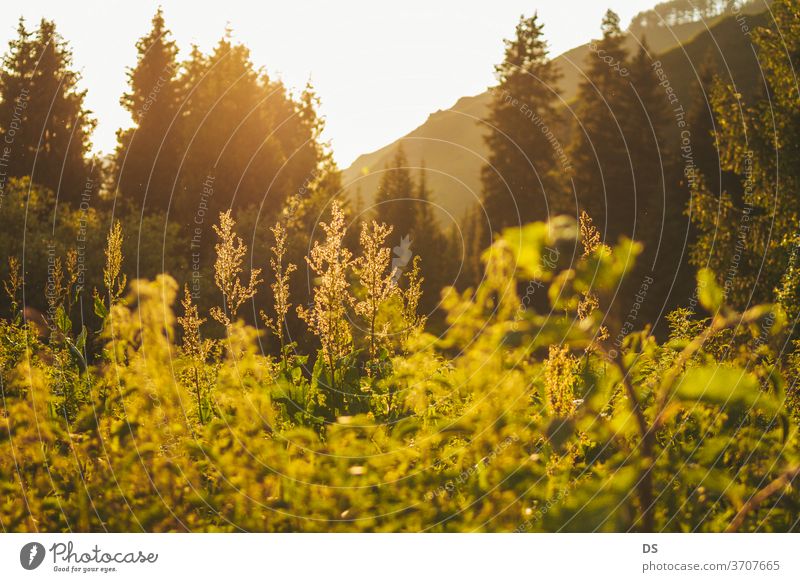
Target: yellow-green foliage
{"type": "Point", "coordinates": [228, 270]}
{"type": "Point", "coordinates": [513, 420]}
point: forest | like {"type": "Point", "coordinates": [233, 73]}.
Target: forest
{"type": "Point", "coordinates": [212, 329]}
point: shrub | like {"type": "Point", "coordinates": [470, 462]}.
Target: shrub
{"type": "Point", "coordinates": [513, 420]}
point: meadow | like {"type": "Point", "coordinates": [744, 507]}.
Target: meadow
{"type": "Point", "coordinates": [512, 420]}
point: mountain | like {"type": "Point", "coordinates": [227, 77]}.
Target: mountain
{"type": "Point", "coordinates": [450, 143]}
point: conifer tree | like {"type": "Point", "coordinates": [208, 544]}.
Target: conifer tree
{"type": "Point", "coordinates": [431, 246]}
{"type": "Point", "coordinates": [425, 221]}
{"type": "Point", "coordinates": [259, 144]}
{"type": "Point", "coordinates": [148, 154]}
{"type": "Point", "coordinates": [394, 204]}
{"type": "Point", "coordinates": [700, 118]}
{"type": "Point", "coordinates": [599, 155]}
{"type": "Point", "coordinates": [15, 89]}
{"type": "Point", "coordinates": [705, 147]}
{"type": "Point", "coordinates": [42, 117]}
{"type": "Point", "coordinates": [468, 244]}
{"type": "Point", "coordinates": [518, 182]}
{"type": "Point", "coordinates": [657, 200]}
{"type": "Point", "coordinates": [646, 125]}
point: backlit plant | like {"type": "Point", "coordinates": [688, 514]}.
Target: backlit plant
{"type": "Point", "coordinates": [511, 420]}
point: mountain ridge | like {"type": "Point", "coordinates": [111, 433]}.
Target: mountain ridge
{"type": "Point", "coordinates": [450, 143]}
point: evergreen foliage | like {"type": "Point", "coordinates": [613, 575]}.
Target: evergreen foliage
{"type": "Point", "coordinates": [43, 122]}
{"type": "Point", "coordinates": [408, 378]}
{"type": "Point", "coordinates": [519, 181]}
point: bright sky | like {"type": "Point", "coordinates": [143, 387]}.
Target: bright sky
{"type": "Point", "coordinates": [380, 67]}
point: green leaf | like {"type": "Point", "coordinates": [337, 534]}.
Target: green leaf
{"type": "Point", "coordinates": [100, 309]}
{"type": "Point", "coordinates": [297, 374]}
{"type": "Point", "coordinates": [709, 293]}
{"type": "Point", "coordinates": [77, 356]}
{"type": "Point", "coordinates": [62, 320]}
{"type": "Point", "coordinates": [528, 246]}
{"type": "Point", "coordinates": [730, 388]}
{"type": "Point", "coordinates": [604, 269]}
{"type": "Point", "coordinates": [80, 341]}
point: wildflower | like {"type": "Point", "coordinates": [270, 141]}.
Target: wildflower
{"type": "Point", "coordinates": [61, 289]}
{"type": "Point", "coordinates": [113, 281]}
{"type": "Point", "coordinates": [14, 283]}
{"type": "Point", "coordinates": [411, 298]}
{"type": "Point", "coordinates": [372, 269]}
{"type": "Point", "coordinates": [228, 269]}
{"type": "Point", "coordinates": [327, 319]}
{"type": "Point", "coordinates": [197, 351]}
{"type": "Point", "coordinates": [280, 287]}
{"type": "Point", "coordinates": [55, 289]}
{"type": "Point", "coordinates": [560, 374]}
{"type": "Point", "coordinates": [590, 236]}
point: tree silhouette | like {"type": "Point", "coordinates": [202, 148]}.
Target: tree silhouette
{"type": "Point", "coordinates": [148, 154]}
{"type": "Point", "coordinates": [601, 159]}
{"type": "Point", "coordinates": [518, 181]}
{"type": "Point", "coordinates": [43, 123]}
{"type": "Point", "coordinates": [394, 200]}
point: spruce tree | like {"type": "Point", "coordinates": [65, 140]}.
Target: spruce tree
{"type": "Point", "coordinates": [658, 199]}
{"type": "Point", "coordinates": [394, 200]}
{"type": "Point", "coordinates": [704, 135]}
{"type": "Point", "coordinates": [425, 221]}
{"type": "Point", "coordinates": [43, 121]}
{"type": "Point", "coordinates": [431, 245]}
{"type": "Point", "coordinates": [15, 89]}
{"type": "Point", "coordinates": [601, 174]}
{"type": "Point", "coordinates": [148, 154]}
{"type": "Point", "coordinates": [518, 182]}
{"type": "Point", "coordinates": [469, 243]}
{"type": "Point", "coordinates": [700, 118]}
{"type": "Point", "coordinates": [245, 132]}
{"type": "Point", "coordinates": [645, 123]}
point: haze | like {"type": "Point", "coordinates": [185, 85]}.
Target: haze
{"type": "Point", "coordinates": [379, 68]}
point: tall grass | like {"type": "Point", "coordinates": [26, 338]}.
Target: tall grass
{"type": "Point", "coordinates": [512, 420]}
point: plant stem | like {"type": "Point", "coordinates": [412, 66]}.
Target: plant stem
{"type": "Point", "coordinates": [781, 481]}
{"type": "Point", "coordinates": [644, 487]}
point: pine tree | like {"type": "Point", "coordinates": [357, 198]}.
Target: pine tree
{"type": "Point", "coordinates": [715, 192]}
{"type": "Point", "coordinates": [518, 182]}
{"type": "Point", "coordinates": [259, 144]}
{"type": "Point", "coordinates": [600, 158]}
{"type": "Point", "coordinates": [700, 118]}
{"type": "Point", "coordinates": [394, 200]}
{"type": "Point", "coordinates": [42, 118]}
{"type": "Point", "coordinates": [425, 221]}
{"type": "Point", "coordinates": [658, 199]}
{"type": "Point", "coordinates": [705, 151]}
{"type": "Point", "coordinates": [431, 245]}
{"type": "Point", "coordinates": [646, 126]}
{"type": "Point", "coordinates": [148, 154]}
{"type": "Point", "coordinates": [15, 88]}
{"type": "Point", "coordinates": [468, 244]}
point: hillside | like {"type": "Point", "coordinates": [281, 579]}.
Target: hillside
{"type": "Point", "coordinates": [450, 142]}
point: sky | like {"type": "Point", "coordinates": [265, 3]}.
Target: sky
{"type": "Point", "coordinates": [380, 68]}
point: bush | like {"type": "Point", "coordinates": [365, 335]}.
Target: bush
{"type": "Point", "coordinates": [513, 420]}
